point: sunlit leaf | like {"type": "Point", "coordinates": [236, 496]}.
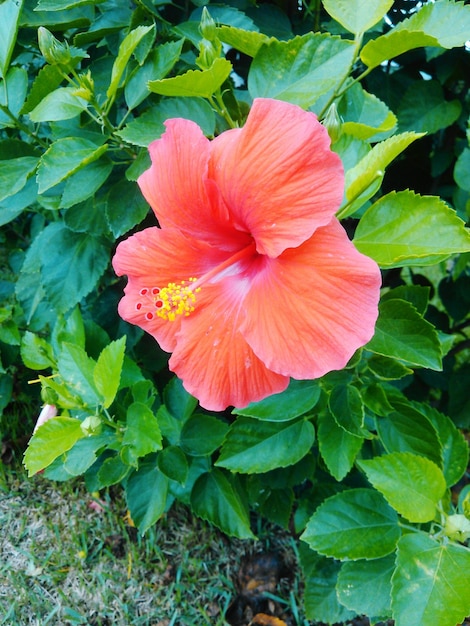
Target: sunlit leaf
{"type": "Point", "coordinates": [202, 83]}
{"type": "Point", "coordinates": [355, 15]}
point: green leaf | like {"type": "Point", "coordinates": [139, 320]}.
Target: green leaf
{"type": "Point", "coordinates": [216, 499]}
{"type": "Point", "coordinates": [84, 184]}
{"type": "Point", "coordinates": [416, 295]}
{"type": "Point", "coordinates": [454, 446]}
{"type": "Point", "coordinates": [300, 70]}
{"type": "Point", "coordinates": [365, 178]}
{"type": "Point", "coordinates": [146, 495]}
{"type": "Point", "coordinates": [353, 524]}
{"type": "Point", "coordinates": [356, 16]}
{"type": "Point", "coordinates": [85, 452]}
{"type": "Point", "coordinates": [36, 353]}
{"type": "Point", "coordinates": [12, 94]}
{"type": "Point", "coordinates": [299, 398]}
{"type": "Point", "coordinates": [346, 406]}
{"type": "Point", "coordinates": [403, 334]}
{"type": "Point", "coordinates": [424, 109]}
{"type": "Point", "coordinates": [365, 586]}
{"type": "Point", "coordinates": [107, 372]}
{"type": "Point", "coordinates": [412, 484]}
{"type": "Point", "coordinates": [173, 463]}
{"type": "Point", "coordinates": [159, 63]}
{"type": "Point", "coordinates": [431, 582]}
{"type": "Point", "coordinates": [125, 207]}
{"type": "Point", "coordinates": [52, 439]}
{"type": "Point", "coordinates": [14, 174]}
{"type": "Point", "coordinates": [202, 434]}
{"type": "Point", "coordinates": [76, 369]}
{"type": "Point", "coordinates": [407, 430]}
{"type": "Point", "coordinates": [65, 157]}
{"type": "Point", "coordinates": [363, 114]}
{"type": "Point", "coordinates": [252, 446]}
{"type": "Point", "coordinates": [112, 471]}
{"type": "Point", "coordinates": [403, 229]}
{"type": "Point", "coordinates": [71, 266]}
{"type": "Point", "coordinates": [442, 23]}
{"type": "Point", "coordinates": [461, 169]}
{"type": "Point", "coordinates": [179, 402]}
{"type": "Point", "coordinates": [60, 5]}
{"type": "Point", "coordinates": [320, 597]}
{"type": "Point", "coordinates": [150, 125]}
{"type": "Point", "coordinates": [386, 368]}
{"type": "Point", "coordinates": [142, 434]}
{"type": "Point", "coordinates": [246, 41]}
{"type": "Point", "coordinates": [337, 446]}
{"type": "Point", "coordinates": [48, 79]}
{"type": "Point", "coordinates": [127, 47]}
{"type": "Point", "coordinates": [9, 16]}
{"type": "Point", "coordinates": [61, 104]}
{"type": "Point", "coordinates": [202, 83]}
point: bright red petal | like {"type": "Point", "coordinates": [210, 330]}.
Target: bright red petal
{"type": "Point", "coordinates": [177, 188]}
{"type": "Point", "coordinates": [309, 310]}
{"type": "Point", "coordinates": [153, 258]}
{"type": "Point", "coordinates": [212, 358]}
{"type": "Point", "coordinates": [277, 175]}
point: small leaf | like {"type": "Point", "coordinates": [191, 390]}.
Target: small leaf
{"type": "Point", "coordinates": [365, 178]}
{"type": "Point", "coordinates": [125, 207]}
{"type": "Point", "coordinates": [412, 484]}
{"type": "Point", "coordinates": [84, 184]}
{"type": "Point", "coordinates": [113, 471]}
{"type": "Point", "coordinates": [216, 499]}
{"type": "Point", "coordinates": [356, 16]}
{"type": "Point", "coordinates": [107, 372]}
{"type": "Point", "coordinates": [353, 524]}
{"type": "Point", "coordinates": [403, 334]}
{"type": "Point", "coordinates": [9, 16]}
{"type": "Point", "coordinates": [13, 94]}
{"type": "Point", "coordinates": [337, 447]}
{"type": "Point", "coordinates": [36, 353]}
{"type": "Point", "coordinates": [300, 70]}
{"type": "Point", "coordinates": [363, 114]}
{"type": "Point", "coordinates": [173, 463]}
{"type": "Point", "coordinates": [202, 83]}
{"type": "Point", "coordinates": [61, 104]}
{"type": "Point", "coordinates": [246, 41]}
{"type": "Point", "coordinates": [445, 24]}
{"type": "Point", "coordinates": [424, 109]}
{"type": "Point", "coordinates": [65, 157]}
{"type": "Point", "coordinates": [252, 446]}
{"type": "Point", "coordinates": [76, 369]}
{"type": "Point", "coordinates": [403, 229]}
{"type": "Point", "coordinates": [146, 495]}
{"type": "Point", "coordinates": [142, 434]}
{"type": "Point", "coordinates": [202, 434]}
{"type": "Point", "coordinates": [346, 406]}
{"type": "Point", "coordinates": [14, 173]}
{"type": "Point", "coordinates": [127, 47]}
{"type": "Point", "coordinates": [52, 439]}
{"type": "Point", "coordinates": [461, 169]}
{"type": "Point", "coordinates": [431, 582]}
{"type": "Point", "coordinates": [299, 398]}
{"type": "Point", "coordinates": [365, 586]}
{"type": "Point", "coordinates": [178, 401]}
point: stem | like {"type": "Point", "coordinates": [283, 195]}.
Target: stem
{"type": "Point", "coordinates": [23, 127]}
{"type": "Point", "coordinates": [219, 105]}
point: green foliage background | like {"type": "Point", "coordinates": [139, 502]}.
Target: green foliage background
{"type": "Point", "coordinates": [362, 464]}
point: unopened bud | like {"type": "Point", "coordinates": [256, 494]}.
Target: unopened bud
{"type": "Point", "coordinates": [332, 123]}
{"type": "Point", "coordinates": [91, 425]}
{"type": "Point", "coordinates": [207, 26]}
{"type": "Point", "coordinates": [51, 49]}
{"type": "Point", "coordinates": [86, 87]}
{"type": "Point", "coordinates": [457, 527]}
{"type": "Point", "coordinates": [48, 411]}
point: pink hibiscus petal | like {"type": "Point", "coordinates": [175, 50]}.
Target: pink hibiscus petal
{"type": "Point", "coordinates": [177, 188]}
{"type": "Point", "coordinates": [310, 309]}
{"type": "Point", "coordinates": [277, 175]}
{"type": "Point", "coordinates": [212, 358]}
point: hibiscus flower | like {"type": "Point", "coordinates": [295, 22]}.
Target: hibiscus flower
{"type": "Point", "coordinates": [249, 279]}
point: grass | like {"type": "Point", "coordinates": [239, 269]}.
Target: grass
{"type": "Point", "coordinates": [69, 559]}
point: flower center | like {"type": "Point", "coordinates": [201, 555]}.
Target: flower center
{"type": "Point", "coordinates": [180, 298]}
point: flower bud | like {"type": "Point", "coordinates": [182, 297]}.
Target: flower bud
{"type": "Point", "coordinates": [207, 26]}
{"type": "Point", "coordinates": [332, 123]}
{"type": "Point", "coordinates": [457, 527]}
{"type": "Point", "coordinates": [91, 425]}
{"type": "Point", "coordinates": [51, 49]}
{"type": "Point", "coordinates": [48, 411]}
{"type": "Point", "coordinates": [86, 87]}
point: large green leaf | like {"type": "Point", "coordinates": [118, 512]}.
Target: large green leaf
{"type": "Point", "coordinates": [202, 83]}
{"type": "Point", "coordinates": [403, 228]}
{"type": "Point", "coordinates": [337, 446]}
{"type": "Point", "coordinates": [216, 499]}
{"type": "Point", "coordinates": [61, 104]}
{"type": "Point", "coordinates": [142, 433]}
{"type": "Point", "coordinates": [353, 524]}
{"type": "Point", "coordinates": [431, 582]}
{"type": "Point", "coordinates": [52, 439]}
{"type": "Point", "coordinates": [12, 95]}
{"type": "Point", "coordinates": [127, 47]}
{"type": "Point", "coordinates": [14, 174]}
{"type": "Point", "coordinates": [202, 434]}
{"type": "Point", "coordinates": [365, 178]}
{"type": "Point", "coordinates": [76, 369]}
{"type": "Point", "coordinates": [9, 15]}
{"type": "Point", "coordinates": [347, 407]}
{"type": "Point", "coordinates": [363, 114]}
{"type": "Point", "coordinates": [299, 398]}
{"type": "Point", "coordinates": [402, 333]}
{"type": "Point", "coordinates": [365, 586]}
{"type": "Point", "coordinates": [356, 15]}
{"type": "Point", "coordinates": [300, 70]}
{"type": "Point", "coordinates": [65, 157]}
{"type": "Point", "coordinates": [107, 371]}
{"type": "Point", "coordinates": [441, 23]}
{"type": "Point", "coordinates": [146, 495]}
{"type": "Point", "coordinates": [423, 108]}
{"type": "Point", "coordinates": [412, 484]}
{"type": "Point", "coordinates": [125, 207]}
{"type": "Point", "coordinates": [72, 263]}
{"type": "Point", "coordinates": [81, 186]}
{"type": "Point", "coordinates": [252, 446]}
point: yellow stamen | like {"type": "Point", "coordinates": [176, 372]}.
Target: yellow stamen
{"type": "Point", "coordinates": [176, 299]}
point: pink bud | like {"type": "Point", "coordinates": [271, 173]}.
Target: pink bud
{"type": "Point", "coordinates": [47, 411]}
